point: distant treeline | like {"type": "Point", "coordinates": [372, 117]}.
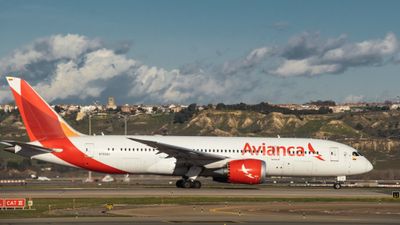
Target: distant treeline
{"type": "Point", "coordinates": [322, 103]}
{"type": "Point", "coordinates": [185, 114]}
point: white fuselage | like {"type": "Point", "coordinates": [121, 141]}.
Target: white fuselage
{"type": "Point", "coordinates": [283, 156]}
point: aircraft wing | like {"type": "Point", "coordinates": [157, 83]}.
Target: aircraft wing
{"type": "Point", "coordinates": [24, 149]}
{"type": "Point", "coordinates": [181, 153]}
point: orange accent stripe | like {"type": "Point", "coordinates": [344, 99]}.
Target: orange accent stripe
{"type": "Point", "coordinates": [67, 131]}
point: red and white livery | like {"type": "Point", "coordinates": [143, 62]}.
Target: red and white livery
{"type": "Point", "coordinates": [247, 160]}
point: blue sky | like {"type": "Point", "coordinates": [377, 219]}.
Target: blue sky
{"type": "Point", "coordinates": [203, 51]}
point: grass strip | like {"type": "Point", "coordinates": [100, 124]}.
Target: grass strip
{"type": "Point", "coordinates": [41, 205]}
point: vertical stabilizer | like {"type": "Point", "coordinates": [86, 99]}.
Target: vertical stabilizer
{"type": "Point", "coordinates": [41, 121]}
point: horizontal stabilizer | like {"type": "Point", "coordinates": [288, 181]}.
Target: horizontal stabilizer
{"type": "Point", "coordinates": [24, 149]}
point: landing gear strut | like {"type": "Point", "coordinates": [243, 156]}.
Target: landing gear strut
{"type": "Point", "coordinates": [189, 179]}
{"type": "Point", "coordinates": [187, 183]}
{"type": "Point", "coordinates": [339, 180]}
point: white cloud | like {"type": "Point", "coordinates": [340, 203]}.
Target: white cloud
{"type": "Point", "coordinates": [252, 59]}
{"type": "Point", "coordinates": [363, 52]}
{"type": "Point", "coordinates": [74, 80]}
{"type": "Point", "coordinates": [70, 45]}
{"type": "Point", "coordinates": [353, 98]}
{"type": "Point", "coordinates": [55, 47]}
{"type": "Point", "coordinates": [75, 66]}
{"type": "Point", "coordinates": [304, 67]}
{"type": "Point", "coordinates": [308, 56]}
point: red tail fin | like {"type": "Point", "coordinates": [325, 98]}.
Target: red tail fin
{"type": "Point", "coordinates": [40, 120]}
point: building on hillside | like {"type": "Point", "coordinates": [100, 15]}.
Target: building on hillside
{"type": "Point", "coordinates": [340, 108]}
{"type": "Point", "coordinates": [111, 103]}
{"type": "Point", "coordinates": [73, 108]}
{"type": "Point", "coordinates": [174, 108]}
{"type": "Point", "coordinates": [128, 109]}
{"type": "Point", "coordinates": [9, 108]}
{"type": "Point", "coordinates": [394, 106]}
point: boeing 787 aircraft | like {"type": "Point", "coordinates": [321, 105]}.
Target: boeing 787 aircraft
{"type": "Point", "coordinates": [245, 160]}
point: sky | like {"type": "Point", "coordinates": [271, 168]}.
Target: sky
{"type": "Point", "coordinates": [176, 51]}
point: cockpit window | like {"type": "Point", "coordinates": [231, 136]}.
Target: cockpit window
{"type": "Point", "coordinates": [355, 154]}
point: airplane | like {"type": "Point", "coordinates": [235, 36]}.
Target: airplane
{"type": "Point", "coordinates": [244, 160]}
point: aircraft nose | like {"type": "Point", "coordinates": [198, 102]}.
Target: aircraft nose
{"type": "Point", "coordinates": [368, 166]}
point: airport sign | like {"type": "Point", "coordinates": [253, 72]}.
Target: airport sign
{"type": "Point", "coordinates": [12, 203]}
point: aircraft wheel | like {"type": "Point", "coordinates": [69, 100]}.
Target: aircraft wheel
{"type": "Point", "coordinates": [187, 184]}
{"type": "Point", "coordinates": [179, 183]}
{"type": "Point", "coordinates": [196, 184]}
{"type": "Point", "coordinates": [337, 186]}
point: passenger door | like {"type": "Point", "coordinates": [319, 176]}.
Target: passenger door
{"type": "Point", "coordinates": [334, 154]}
{"type": "Point", "coordinates": [347, 161]}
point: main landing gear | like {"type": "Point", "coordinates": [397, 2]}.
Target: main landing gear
{"type": "Point", "coordinates": [189, 180]}
{"type": "Point", "coordinates": [187, 183]}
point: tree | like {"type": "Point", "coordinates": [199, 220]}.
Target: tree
{"type": "Point", "coordinates": [220, 106]}
{"type": "Point", "coordinates": [57, 108]}
{"type": "Point", "coordinates": [359, 126]}
{"type": "Point", "coordinates": [185, 114]}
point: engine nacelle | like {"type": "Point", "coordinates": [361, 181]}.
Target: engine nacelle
{"type": "Point", "coordinates": [243, 171]}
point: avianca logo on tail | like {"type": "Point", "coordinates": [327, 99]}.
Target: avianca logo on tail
{"type": "Point", "coordinates": [271, 150]}
{"type": "Point", "coordinates": [247, 172]}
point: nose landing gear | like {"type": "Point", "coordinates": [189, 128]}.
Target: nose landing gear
{"type": "Point", "coordinates": [337, 185]}
{"type": "Point", "coordinates": [339, 181]}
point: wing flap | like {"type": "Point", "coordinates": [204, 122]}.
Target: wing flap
{"type": "Point", "coordinates": [181, 153]}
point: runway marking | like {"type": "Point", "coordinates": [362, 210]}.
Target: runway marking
{"type": "Point", "coordinates": [217, 210]}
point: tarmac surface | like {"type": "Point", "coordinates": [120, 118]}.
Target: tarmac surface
{"type": "Point", "coordinates": [272, 192]}
{"type": "Point", "coordinates": [235, 214]}
{"type": "Point", "coordinates": [271, 212]}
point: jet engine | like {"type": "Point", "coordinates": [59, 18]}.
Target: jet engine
{"type": "Point", "coordinates": [243, 171]}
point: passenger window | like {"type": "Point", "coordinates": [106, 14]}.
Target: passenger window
{"type": "Point", "coordinates": [355, 154]}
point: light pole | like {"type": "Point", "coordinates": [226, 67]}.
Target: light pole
{"type": "Point", "coordinates": [126, 124]}
{"type": "Point", "coordinates": [90, 124]}
{"type": "Point", "coordinates": [89, 178]}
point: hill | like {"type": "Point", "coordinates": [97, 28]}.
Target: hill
{"type": "Point", "coordinates": [376, 134]}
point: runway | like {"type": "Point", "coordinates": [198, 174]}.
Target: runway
{"type": "Point", "coordinates": [332, 212]}
{"type": "Point", "coordinates": [272, 192]}
{"type": "Point", "coordinates": [130, 220]}
{"type": "Point", "coordinates": [335, 213]}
